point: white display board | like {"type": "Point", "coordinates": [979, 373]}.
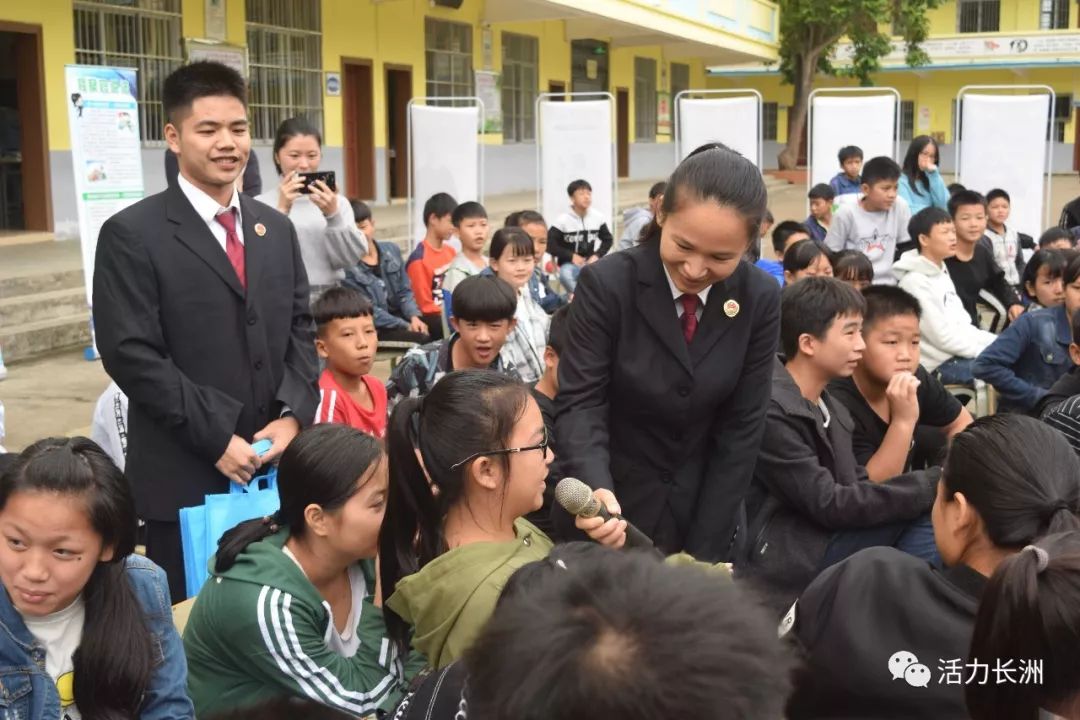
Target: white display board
{"type": "Point", "coordinates": [1003, 145]}
{"type": "Point", "coordinates": [575, 140]}
{"type": "Point", "coordinates": [733, 121]}
{"type": "Point", "coordinates": [444, 156]}
{"type": "Point", "coordinates": [867, 121]}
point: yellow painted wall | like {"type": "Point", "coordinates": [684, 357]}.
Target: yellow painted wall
{"type": "Point", "coordinates": [193, 22]}
{"type": "Point", "coordinates": [1016, 16]}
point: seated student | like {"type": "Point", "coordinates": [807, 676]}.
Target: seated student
{"type": "Point", "coordinates": [955, 188]}
{"type": "Point", "coordinates": [544, 392]}
{"type": "Point", "coordinates": [109, 426]}
{"type": "Point", "coordinates": [454, 530]}
{"type": "Point", "coordinates": [1005, 240]}
{"type": "Point", "coordinates": [380, 276]}
{"type": "Point", "coordinates": [784, 236]}
{"type": "Point", "coordinates": [533, 224]}
{"type": "Point", "coordinates": [810, 503]}
{"type": "Point", "coordinates": [950, 342]}
{"type": "Point", "coordinates": [921, 185]}
{"type": "Point", "coordinates": [1057, 239]}
{"type": "Point", "coordinates": [512, 259]}
{"type": "Point", "coordinates": [428, 263]}
{"type": "Point", "coordinates": [876, 223]}
{"type": "Point", "coordinates": [1070, 217]}
{"type": "Point", "coordinates": [293, 606]}
{"type": "Point", "coordinates": [890, 394]}
{"type": "Point", "coordinates": [470, 222]}
{"type": "Point", "coordinates": [483, 317]}
{"type": "Point", "coordinates": [854, 268]}
{"type": "Point", "coordinates": [806, 258]}
{"type": "Point", "coordinates": [87, 624]}
{"type": "Point", "coordinates": [972, 267]}
{"type": "Point", "coordinates": [847, 184]}
{"type": "Point", "coordinates": [1066, 386]}
{"type": "Point", "coordinates": [1029, 613]}
{"type": "Point", "coordinates": [1033, 353]}
{"type": "Point", "coordinates": [1002, 484]}
{"type": "Point", "coordinates": [1041, 282]}
{"type": "Point", "coordinates": [753, 254]}
{"type": "Point", "coordinates": [578, 236]}
{"type": "Point", "coordinates": [821, 205]}
{"type": "Point", "coordinates": [635, 219]}
{"type": "Point", "coordinates": [346, 340]}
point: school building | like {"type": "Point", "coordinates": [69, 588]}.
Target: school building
{"type": "Point", "coordinates": [972, 42]}
{"type": "Point", "coordinates": [352, 66]}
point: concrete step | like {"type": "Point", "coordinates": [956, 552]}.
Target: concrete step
{"type": "Point", "coordinates": [30, 284]}
{"type": "Point", "coordinates": [27, 340]}
{"type": "Point", "coordinates": [42, 306]}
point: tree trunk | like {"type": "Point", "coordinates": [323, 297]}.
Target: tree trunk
{"type": "Point", "coordinates": [804, 85]}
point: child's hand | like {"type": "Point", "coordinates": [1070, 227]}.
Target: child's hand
{"type": "Point", "coordinates": [577, 260]}
{"type": "Point", "coordinates": [418, 326]}
{"type": "Point", "coordinates": [903, 397]}
{"type": "Point", "coordinates": [1015, 311]}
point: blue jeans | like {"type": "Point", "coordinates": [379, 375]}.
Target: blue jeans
{"type": "Point", "coordinates": [915, 538]}
{"type": "Point", "coordinates": [568, 275]}
{"type": "Point", "coordinates": [956, 371]}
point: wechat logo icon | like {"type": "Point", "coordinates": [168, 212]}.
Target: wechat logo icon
{"type": "Point", "coordinates": [905, 666]}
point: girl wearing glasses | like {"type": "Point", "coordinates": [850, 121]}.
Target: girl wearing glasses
{"type": "Point", "coordinates": [454, 529]}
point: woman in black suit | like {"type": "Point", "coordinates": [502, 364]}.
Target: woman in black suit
{"type": "Point", "coordinates": [666, 373]}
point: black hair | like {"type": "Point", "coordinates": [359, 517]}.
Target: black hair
{"type": "Point", "coordinates": [657, 189]}
{"type": "Point", "coordinates": [513, 219]}
{"type": "Point", "coordinates": [115, 657]}
{"type": "Point", "coordinates": [880, 169]}
{"type": "Point", "coordinates": [923, 222]}
{"type": "Point", "coordinates": [811, 306]}
{"type": "Point", "coordinates": [802, 255]}
{"type": "Point", "coordinates": [914, 175]}
{"type": "Point", "coordinates": [576, 185]}
{"type": "Point", "coordinates": [997, 193]}
{"type": "Point", "coordinates": [1028, 613]}
{"type": "Point", "coordinates": [323, 466]}
{"type": "Point", "coordinates": [360, 211]}
{"type": "Point", "coordinates": [1072, 268]}
{"type": "Point", "coordinates": [784, 230]}
{"type": "Point", "coordinates": [483, 298]}
{"type": "Point", "coordinates": [468, 210]}
{"type": "Point", "coordinates": [440, 205]}
{"type": "Point", "coordinates": [955, 188]}
{"type": "Point", "coordinates": [467, 412]}
{"type": "Point", "coordinates": [964, 198]}
{"type": "Point", "coordinates": [623, 635]}
{"type": "Point", "coordinates": [1075, 328]}
{"type": "Point", "coordinates": [519, 242]}
{"type": "Point", "coordinates": [290, 128]}
{"type": "Point", "coordinates": [715, 172]}
{"type": "Point", "coordinates": [1053, 235]}
{"type": "Point", "coordinates": [559, 329]}
{"type": "Point", "coordinates": [188, 83]}
{"type": "Point", "coordinates": [1052, 260]}
{"type": "Point", "coordinates": [282, 708]}
{"type": "Point", "coordinates": [528, 217]}
{"type": "Point", "coordinates": [852, 266]}
{"type": "Point", "coordinates": [887, 301]}
{"type": "Point", "coordinates": [822, 191]}
{"type": "Point", "coordinates": [340, 303]}
{"type": "Point", "coordinates": [849, 151]}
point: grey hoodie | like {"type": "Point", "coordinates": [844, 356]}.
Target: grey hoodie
{"type": "Point", "coordinates": [634, 221]}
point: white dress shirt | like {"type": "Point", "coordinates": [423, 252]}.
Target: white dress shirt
{"type": "Point", "coordinates": [208, 209]}
{"type": "Point", "coordinates": [676, 293]}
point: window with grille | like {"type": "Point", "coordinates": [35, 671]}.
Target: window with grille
{"type": "Point", "coordinates": [449, 59]}
{"type": "Point", "coordinates": [644, 99]}
{"type": "Point", "coordinates": [770, 111]}
{"type": "Point", "coordinates": [521, 60]}
{"type": "Point", "coordinates": [907, 119]}
{"type": "Point", "coordinates": [1062, 112]}
{"type": "Point", "coordinates": [143, 34]}
{"type": "Point", "coordinates": [1054, 14]}
{"type": "Point", "coordinates": [680, 79]}
{"type": "Point", "coordinates": [978, 16]}
{"type": "Point", "coordinates": [285, 64]}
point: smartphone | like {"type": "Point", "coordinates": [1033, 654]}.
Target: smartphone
{"type": "Point", "coordinates": [310, 177]}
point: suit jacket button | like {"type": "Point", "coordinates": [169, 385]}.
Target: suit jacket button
{"type": "Point", "coordinates": [684, 391]}
{"type": "Point", "coordinates": [252, 320]}
{"type": "Point", "coordinates": [262, 409]}
{"type": "Point", "coordinates": [258, 364]}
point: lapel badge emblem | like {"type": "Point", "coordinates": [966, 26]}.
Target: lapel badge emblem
{"type": "Point", "coordinates": [731, 308]}
{"type": "Point", "coordinates": [260, 229]}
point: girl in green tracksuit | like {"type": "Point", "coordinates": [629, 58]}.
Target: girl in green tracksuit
{"type": "Point", "coordinates": [292, 607]}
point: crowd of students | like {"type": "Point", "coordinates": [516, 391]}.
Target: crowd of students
{"type": "Point", "coordinates": [884, 542]}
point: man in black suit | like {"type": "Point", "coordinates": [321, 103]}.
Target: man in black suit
{"type": "Point", "coordinates": [202, 319]}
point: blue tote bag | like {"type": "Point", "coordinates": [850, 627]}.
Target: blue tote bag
{"type": "Point", "coordinates": [202, 526]}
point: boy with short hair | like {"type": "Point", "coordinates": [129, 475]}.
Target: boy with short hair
{"type": "Point", "coordinates": [1004, 240]}
{"type": "Point", "coordinates": [877, 222]}
{"type": "Point", "coordinates": [470, 222]}
{"type": "Point", "coordinates": [346, 339]}
{"type": "Point", "coordinates": [483, 308]}
{"type": "Point", "coordinates": [972, 267]}
{"type": "Point", "coordinates": [534, 225]}
{"type": "Point", "coordinates": [811, 504]}
{"type": "Point", "coordinates": [578, 236]}
{"type": "Point", "coordinates": [821, 197]}
{"type": "Point", "coordinates": [429, 261]}
{"type": "Point", "coordinates": [544, 392]}
{"type": "Point", "coordinates": [636, 219]}
{"type": "Point", "coordinates": [784, 236]}
{"type": "Point", "coordinates": [890, 394]}
{"type": "Point", "coordinates": [949, 341]}
{"type": "Point", "coordinates": [847, 185]}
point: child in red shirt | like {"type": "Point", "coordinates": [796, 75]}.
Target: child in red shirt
{"type": "Point", "coordinates": [346, 339]}
{"type": "Point", "coordinates": [429, 261]}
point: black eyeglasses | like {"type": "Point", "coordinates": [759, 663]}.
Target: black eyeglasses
{"type": "Point", "coordinates": [508, 451]}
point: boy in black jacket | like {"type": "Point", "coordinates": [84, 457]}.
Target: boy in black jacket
{"type": "Point", "coordinates": [973, 268]}
{"type": "Point", "coordinates": [811, 504]}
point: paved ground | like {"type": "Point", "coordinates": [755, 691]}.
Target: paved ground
{"type": "Point", "coordinates": [56, 395]}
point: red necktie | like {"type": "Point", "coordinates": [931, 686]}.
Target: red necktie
{"type": "Point", "coordinates": [689, 316]}
{"type": "Point", "coordinates": [233, 248]}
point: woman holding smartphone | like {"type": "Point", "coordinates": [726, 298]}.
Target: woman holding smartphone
{"type": "Point", "coordinates": [329, 239]}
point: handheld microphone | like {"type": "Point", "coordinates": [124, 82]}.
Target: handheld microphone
{"type": "Point", "coordinates": [577, 499]}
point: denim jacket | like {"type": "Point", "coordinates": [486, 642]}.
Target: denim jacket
{"type": "Point", "coordinates": [1027, 358]}
{"type": "Point", "coordinates": [27, 692]}
{"type": "Point", "coordinates": [548, 299]}
{"type": "Point", "coordinates": [391, 294]}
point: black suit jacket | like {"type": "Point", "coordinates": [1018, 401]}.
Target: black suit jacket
{"type": "Point", "coordinates": [199, 358]}
{"type": "Point", "coordinates": [673, 430]}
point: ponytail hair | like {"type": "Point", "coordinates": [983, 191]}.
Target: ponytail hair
{"type": "Point", "coordinates": [115, 657]}
{"type": "Point", "coordinates": [467, 413]}
{"type": "Point", "coordinates": [1030, 612]}
{"type": "Point", "coordinates": [322, 466]}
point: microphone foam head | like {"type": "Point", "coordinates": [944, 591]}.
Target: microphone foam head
{"type": "Point", "coordinates": [574, 495]}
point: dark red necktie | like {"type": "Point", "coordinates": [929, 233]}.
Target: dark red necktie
{"type": "Point", "coordinates": [689, 316]}
{"type": "Point", "coordinates": [233, 248]}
